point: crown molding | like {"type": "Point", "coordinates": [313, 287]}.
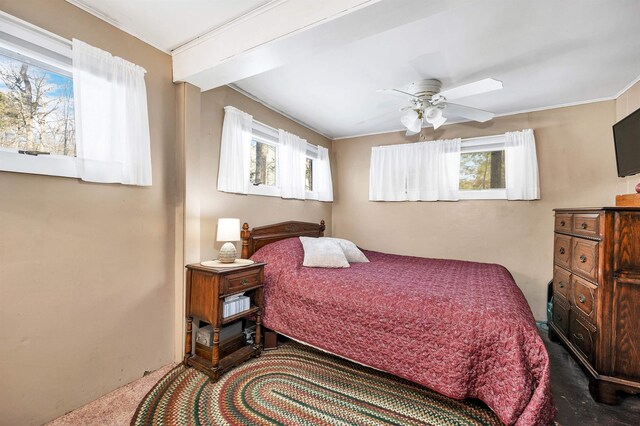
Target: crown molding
{"type": "Point", "coordinates": [81, 5]}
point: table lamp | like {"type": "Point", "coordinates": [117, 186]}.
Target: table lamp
{"type": "Point", "coordinates": [228, 230]}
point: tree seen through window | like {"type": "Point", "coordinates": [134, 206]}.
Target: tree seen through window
{"type": "Point", "coordinates": [482, 170]}
{"type": "Point", "coordinates": [36, 108]}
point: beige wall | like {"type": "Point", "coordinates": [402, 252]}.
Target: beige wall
{"type": "Point", "coordinates": [577, 169]}
{"type": "Point", "coordinates": [253, 209]}
{"type": "Point", "coordinates": [86, 270]}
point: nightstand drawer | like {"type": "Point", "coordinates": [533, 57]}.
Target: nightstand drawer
{"type": "Point", "coordinates": [237, 282]}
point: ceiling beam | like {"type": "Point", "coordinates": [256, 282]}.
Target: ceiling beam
{"type": "Point", "coordinates": [279, 32]}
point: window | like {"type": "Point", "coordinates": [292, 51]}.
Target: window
{"type": "Point", "coordinates": [482, 168]}
{"type": "Point", "coordinates": [36, 109]}
{"type": "Point", "coordinates": [263, 168]}
{"type": "Point", "coordinates": [263, 163]}
{"type": "Point", "coordinates": [36, 100]}
{"type": "Point", "coordinates": [260, 160]}
{"type": "Point", "coordinates": [308, 175]}
{"type": "Point", "coordinates": [312, 157]}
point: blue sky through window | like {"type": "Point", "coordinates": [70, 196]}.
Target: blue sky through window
{"type": "Point", "coordinates": [36, 110]}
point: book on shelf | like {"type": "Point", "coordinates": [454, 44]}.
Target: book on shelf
{"type": "Point", "coordinates": [235, 304]}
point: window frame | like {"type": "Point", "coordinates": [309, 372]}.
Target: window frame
{"type": "Point", "coordinates": [26, 42]}
{"type": "Point", "coordinates": [483, 144]}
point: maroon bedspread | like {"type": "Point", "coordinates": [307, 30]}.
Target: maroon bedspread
{"type": "Point", "coordinates": [463, 329]}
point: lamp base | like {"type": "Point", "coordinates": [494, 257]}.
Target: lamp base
{"type": "Point", "coordinates": [227, 253]}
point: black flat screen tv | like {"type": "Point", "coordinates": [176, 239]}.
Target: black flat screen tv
{"type": "Point", "coordinates": [626, 135]}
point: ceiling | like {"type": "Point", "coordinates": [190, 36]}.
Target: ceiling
{"type": "Point", "coordinates": [547, 53]}
{"type": "Point", "coordinates": [168, 24]}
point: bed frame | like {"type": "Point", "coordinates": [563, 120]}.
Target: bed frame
{"type": "Point", "coordinates": [263, 235]}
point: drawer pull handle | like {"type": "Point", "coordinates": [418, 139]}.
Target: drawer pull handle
{"type": "Point", "coordinates": [559, 319]}
{"type": "Point", "coordinates": [584, 225]}
{"type": "Point", "coordinates": [244, 281]}
{"type": "Point", "coordinates": [562, 223]}
{"type": "Point", "coordinates": [583, 258]}
{"type": "Point", "coordinates": [578, 336]}
{"type": "Point", "coordinates": [561, 250]}
{"type": "Point", "coordinates": [561, 284]}
{"type": "Point", "coordinates": [581, 298]}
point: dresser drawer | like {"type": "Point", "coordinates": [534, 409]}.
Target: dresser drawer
{"type": "Point", "coordinates": [586, 224]}
{"type": "Point", "coordinates": [562, 282]}
{"type": "Point", "coordinates": [562, 250]}
{"type": "Point", "coordinates": [584, 297]}
{"type": "Point", "coordinates": [582, 335]}
{"type": "Point", "coordinates": [584, 258]}
{"type": "Point", "coordinates": [237, 282]}
{"type": "Point", "coordinates": [561, 316]}
{"type": "Point", "coordinates": [564, 222]}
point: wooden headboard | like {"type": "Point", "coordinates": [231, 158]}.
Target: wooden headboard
{"type": "Point", "coordinates": [263, 235]}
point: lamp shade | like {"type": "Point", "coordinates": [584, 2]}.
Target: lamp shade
{"type": "Point", "coordinates": [228, 229]}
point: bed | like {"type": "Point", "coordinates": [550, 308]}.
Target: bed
{"type": "Point", "coordinates": [463, 329]}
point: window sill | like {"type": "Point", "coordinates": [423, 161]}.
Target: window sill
{"type": "Point", "coordinates": [50, 165]}
{"type": "Point", "coordinates": [485, 194]}
{"type": "Point", "coordinates": [269, 191]}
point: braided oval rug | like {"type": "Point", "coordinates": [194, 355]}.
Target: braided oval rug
{"type": "Point", "coordinates": [298, 385]}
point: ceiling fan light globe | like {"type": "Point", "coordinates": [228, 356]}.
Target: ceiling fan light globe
{"type": "Point", "coordinates": [432, 114]}
{"type": "Point", "coordinates": [438, 122]}
{"type": "Point", "coordinates": [408, 117]}
{"type": "Point", "coordinates": [416, 126]}
{"type": "Point", "coordinates": [411, 120]}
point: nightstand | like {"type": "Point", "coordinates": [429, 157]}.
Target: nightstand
{"type": "Point", "coordinates": [207, 289]}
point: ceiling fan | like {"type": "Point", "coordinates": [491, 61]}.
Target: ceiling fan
{"type": "Point", "coordinates": [430, 105]}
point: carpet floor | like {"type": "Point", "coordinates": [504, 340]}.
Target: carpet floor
{"type": "Point", "coordinates": [568, 384]}
{"type": "Point", "coordinates": [115, 408]}
{"type": "Point", "coordinates": [298, 385]}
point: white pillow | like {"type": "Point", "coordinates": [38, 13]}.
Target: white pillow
{"type": "Point", "coordinates": [322, 253]}
{"type": "Point", "coordinates": [350, 250]}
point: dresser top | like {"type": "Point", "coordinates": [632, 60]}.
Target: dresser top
{"type": "Point", "coordinates": [596, 209]}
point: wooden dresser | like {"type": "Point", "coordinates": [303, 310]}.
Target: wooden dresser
{"type": "Point", "coordinates": [596, 285]}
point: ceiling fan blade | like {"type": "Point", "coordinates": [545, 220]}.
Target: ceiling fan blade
{"type": "Point", "coordinates": [480, 86]}
{"type": "Point", "coordinates": [474, 114]}
{"type": "Point", "coordinates": [396, 92]}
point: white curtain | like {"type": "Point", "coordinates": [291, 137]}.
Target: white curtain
{"type": "Point", "coordinates": [521, 166]}
{"type": "Point", "coordinates": [111, 118]}
{"type": "Point", "coordinates": [388, 173]}
{"type": "Point", "coordinates": [433, 170]}
{"type": "Point", "coordinates": [235, 151]}
{"type": "Point", "coordinates": [424, 171]}
{"type": "Point", "coordinates": [322, 182]}
{"type": "Point", "coordinates": [292, 155]}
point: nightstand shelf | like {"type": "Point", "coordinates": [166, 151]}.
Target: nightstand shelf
{"type": "Point", "coordinates": [207, 289]}
{"type": "Point", "coordinates": [241, 315]}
